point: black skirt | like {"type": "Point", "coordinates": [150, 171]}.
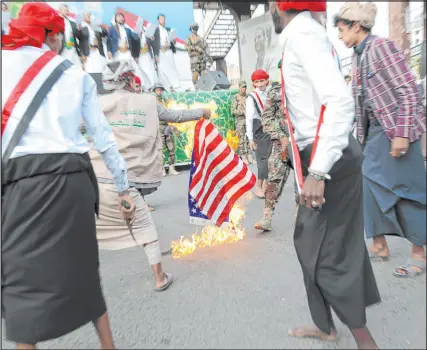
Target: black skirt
{"type": "Point", "coordinates": [331, 247]}
{"type": "Point", "coordinates": [50, 279]}
{"type": "Point", "coordinates": [263, 149]}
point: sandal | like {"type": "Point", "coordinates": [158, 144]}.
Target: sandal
{"type": "Point", "coordinates": [411, 272]}
{"type": "Point", "coordinates": [375, 257]}
{"type": "Point", "coordinates": [169, 280]}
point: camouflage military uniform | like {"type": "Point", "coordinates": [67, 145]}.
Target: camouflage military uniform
{"type": "Point", "coordinates": [168, 142]}
{"type": "Point", "coordinates": [198, 58]}
{"type": "Point", "coordinates": [274, 124]}
{"type": "Point", "coordinates": [238, 110]}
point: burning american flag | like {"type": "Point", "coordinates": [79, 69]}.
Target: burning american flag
{"type": "Point", "coordinates": [218, 177]}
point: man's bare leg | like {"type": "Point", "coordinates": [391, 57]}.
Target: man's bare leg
{"type": "Point", "coordinates": [363, 338]}
{"type": "Point", "coordinates": [25, 346]}
{"type": "Point", "coordinates": [259, 191]}
{"type": "Point", "coordinates": [154, 257]}
{"type": "Point", "coordinates": [103, 329]}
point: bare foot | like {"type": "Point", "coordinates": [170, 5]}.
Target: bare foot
{"type": "Point", "coordinates": [259, 193]}
{"type": "Point", "coordinates": [379, 251]}
{"type": "Point", "coordinates": [312, 332]}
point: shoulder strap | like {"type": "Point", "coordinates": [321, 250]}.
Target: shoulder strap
{"type": "Point", "coordinates": [255, 103]}
{"type": "Point", "coordinates": [35, 103]}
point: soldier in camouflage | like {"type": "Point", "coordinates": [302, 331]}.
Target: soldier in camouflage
{"type": "Point", "coordinates": [238, 110]}
{"type": "Point", "coordinates": [198, 51]}
{"type": "Point", "coordinates": [166, 132]}
{"type": "Point", "coordinates": [273, 123]}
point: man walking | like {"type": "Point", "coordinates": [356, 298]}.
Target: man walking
{"type": "Point", "coordinates": [140, 147]}
{"type": "Point", "coordinates": [273, 124]}
{"type": "Point", "coordinates": [238, 110]}
{"type": "Point", "coordinates": [50, 279]}
{"type": "Point", "coordinates": [328, 234]}
{"type": "Point", "coordinates": [258, 140]}
{"type": "Point", "coordinates": [390, 123]}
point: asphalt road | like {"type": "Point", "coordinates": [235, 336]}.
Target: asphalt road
{"type": "Point", "coordinates": [242, 295]}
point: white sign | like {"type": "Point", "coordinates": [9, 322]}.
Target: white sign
{"type": "Point", "coordinates": [259, 47]}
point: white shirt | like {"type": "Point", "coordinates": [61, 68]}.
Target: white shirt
{"type": "Point", "coordinates": [164, 36]}
{"type": "Point", "coordinates": [312, 78]}
{"type": "Point", "coordinates": [55, 128]}
{"type": "Point", "coordinates": [123, 36]}
{"type": "Point", "coordinates": [68, 30]}
{"type": "Point", "coordinates": [252, 113]}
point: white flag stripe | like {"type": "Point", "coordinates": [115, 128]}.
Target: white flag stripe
{"type": "Point", "coordinates": [211, 158]}
{"type": "Point", "coordinates": [230, 193]}
{"type": "Point", "coordinates": [208, 140]}
{"type": "Point", "coordinates": [202, 135]}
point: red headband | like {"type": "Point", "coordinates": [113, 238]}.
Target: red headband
{"type": "Point", "coordinates": [260, 74]}
{"type": "Point", "coordinates": [313, 6]}
{"type": "Point", "coordinates": [29, 29]}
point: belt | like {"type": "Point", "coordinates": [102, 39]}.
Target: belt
{"type": "Point", "coordinates": [144, 50]}
{"type": "Point", "coordinates": [124, 49]}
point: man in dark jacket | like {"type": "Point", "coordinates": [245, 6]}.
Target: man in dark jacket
{"type": "Point", "coordinates": [122, 42]}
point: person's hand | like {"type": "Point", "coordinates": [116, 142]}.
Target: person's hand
{"type": "Point", "coordinates": [110, 55]}
{"type": "Point", "coordinates": [128, 211]}
{"type": "Point", "coordinates": [312, 193]}
{"type": "Point", "coordinates": [207, 113]}
{"type": "Point", "coordinates": [399, 146]}
{"type": "Point", "coordinates": [156, 59]}
{"type": "Point", "coordinates": [252, 145]}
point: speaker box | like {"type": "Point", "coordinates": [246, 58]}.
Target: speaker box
{"type": "Point", "coordinates": [213, 80]}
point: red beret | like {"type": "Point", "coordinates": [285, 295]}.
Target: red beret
{"type": "Point", "coordinates": [260, 74]}
{"type": "Point", "coordinates": [29, 29]}
{"type": "Point", "coordinates": [313, 6]}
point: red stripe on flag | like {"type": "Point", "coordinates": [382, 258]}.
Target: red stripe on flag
{"type": "Point", "coordinates": [22, 86]}
{"type": "Point", "coordinates": [224, 189]}
{"type": "Point", "coordinates": [217, 178]}
{"type": "Point", "coordinates": [202, 149]}
{"type": "Point", "coordinates": [234, 198]}
{"type": "Point", "coordinates": [212, 146]}
{"type": "Point", "coordinates": [212, 166]}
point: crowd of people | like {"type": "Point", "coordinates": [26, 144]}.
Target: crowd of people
{"type": "Point", "coordinates": [77, 163]}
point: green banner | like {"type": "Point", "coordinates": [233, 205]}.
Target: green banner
{"type": "Point", "coordinates": [219, 102]}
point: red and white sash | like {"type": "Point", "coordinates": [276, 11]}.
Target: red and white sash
{"type": "Point", "coordinates": [295, 151]}
{"type": "Point", "coordinates": [27, 88]}
{"type": "Point", "coordinates": [258, 101]}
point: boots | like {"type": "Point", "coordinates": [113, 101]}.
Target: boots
{"type": "Point", "coordinates": [172, 170]}
{"type": "Point", "coordinates": [263, 225]}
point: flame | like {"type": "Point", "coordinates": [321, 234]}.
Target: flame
{"type": "Point", "coordinates": [232, 139]}
{"type": "Point", "coordinates": [211, 235]}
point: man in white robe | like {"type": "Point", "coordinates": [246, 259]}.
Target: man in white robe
{"type": "Point", "coordinates": [70, 48]}
{"type": "Point", "coordinates": [168, 74]}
